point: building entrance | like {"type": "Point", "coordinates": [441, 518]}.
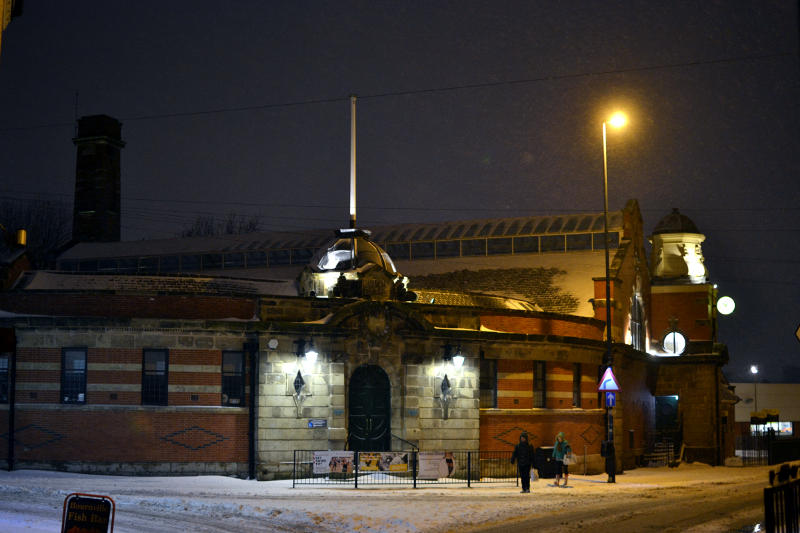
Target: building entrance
{"type": "Point", "coordinates": [370, 410]}
{"type": "Point", "coordinates": [668, 426]}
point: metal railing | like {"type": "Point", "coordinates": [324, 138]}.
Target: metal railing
{"type": "Point", "coordinates": [413, 468]}
{"type": "Point", "coordinates": [753, 449]}
{"type": "Point", "coordinates": [782, 501]}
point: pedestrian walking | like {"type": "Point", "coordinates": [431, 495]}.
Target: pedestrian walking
{"type": "Point", "coordinates": [560, 450]}
{"type": "Point", "coordinates": [523, 456]}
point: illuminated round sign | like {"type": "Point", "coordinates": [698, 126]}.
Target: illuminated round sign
{"type": "Point", "coordinates": [726, 305]}
{"type": "Point", "coordinates": [674, 343]}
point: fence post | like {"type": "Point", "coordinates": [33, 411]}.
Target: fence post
{"type": "Point", "coordinates": [355, 468]}
{"type": "Point", "coordinates": [414, 467]}
{"type": "Point", "coordinates": [469, 470]}
{"type": "Point", "coordinates": [294, 467]}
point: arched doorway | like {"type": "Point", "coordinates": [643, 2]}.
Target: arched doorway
{"type": "Point", "coordinates": [370, 410]}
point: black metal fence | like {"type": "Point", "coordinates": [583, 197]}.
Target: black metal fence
{"type": "Point", "coordinates": [753, 449]}
{"type": "Point", "coordinates": [782, 501]}
{"type": "Point", "coordinates": [413, 468]}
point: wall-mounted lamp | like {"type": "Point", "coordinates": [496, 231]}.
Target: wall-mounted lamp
{"type": "Point", "coordinates": [453, 356]}
{"type": "Point", "coordinates": [306, 353]}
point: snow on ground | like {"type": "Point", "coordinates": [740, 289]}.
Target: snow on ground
{"type": "Point", "coordinates": [31, 501]}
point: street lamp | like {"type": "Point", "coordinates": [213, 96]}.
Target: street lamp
{"type": "Point", "coordinates": [754, 371]}
{"type": "Point", "coordinates": [617, 120]}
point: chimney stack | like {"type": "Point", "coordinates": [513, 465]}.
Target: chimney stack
{"type": "Point", "coordinates": [96, 212]}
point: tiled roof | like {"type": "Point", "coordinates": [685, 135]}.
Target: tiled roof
{"type": "Point", "coordinates": [62, 281]}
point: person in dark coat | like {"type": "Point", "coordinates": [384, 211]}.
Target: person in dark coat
{"type": "Point", "coordinates": [611, 460]}
{"type": "Point", "coordinates": [523, 456]}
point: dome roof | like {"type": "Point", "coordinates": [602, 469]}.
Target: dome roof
{"type": "Point", "coordinates": [675, 223]}
{"type": "Point", "coordinates": [349, 250]}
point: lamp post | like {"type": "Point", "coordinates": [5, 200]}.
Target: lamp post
{"type": "Point", "coordinates": [617, 120]}
{"type": "Point", "coordinates": [754, 371]}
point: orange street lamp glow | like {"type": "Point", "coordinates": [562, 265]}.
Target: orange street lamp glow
{"type": "Point", "coordinates": [618, 120]}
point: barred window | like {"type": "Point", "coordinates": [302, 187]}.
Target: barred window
{"type": "Point", "coordinates": [233, 378]}
{"type": "Point", "coordinates": [488, 384]}
{"type": "Point", "coordinates": [73, 375]}
{"type": "Point", "coordinates": [576, 384]}
{"type": "Point", "coordinates": [539, 381]}
{"type": "Point", "coordinates": [155, 372]}
{"type": "Point", "coordinates": [4, 362]}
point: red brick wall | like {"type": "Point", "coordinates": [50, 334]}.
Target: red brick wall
{"type": "Point", "coordinates": [109, 378]}
{"type": "Point", "coordinates": [692, 309]}
{"type": "Point", "coordinates": [128, 305]}
{"type": "Point", "coordinates": [544, 326]}
{"type": "Point", "coordinates": [500, 431]}
{"type": "Point", "coordinates": [638, 408]}
{"type": "Point", "coordinates": [515, 385]}
{"type": "Point", "coordinates": [148, 435]}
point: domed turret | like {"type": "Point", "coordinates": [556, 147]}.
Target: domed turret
{"type": "Point", "coordinates": [353, 266]}
{"type": "Point", "coordinates": [677, 250]}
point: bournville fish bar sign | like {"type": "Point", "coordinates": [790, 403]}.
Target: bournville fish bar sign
{"type": "Point", "coordinates": [87, 513]}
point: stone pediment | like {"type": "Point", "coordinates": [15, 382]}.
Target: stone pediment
{"type": "Point", "coordinates": [379, 320]}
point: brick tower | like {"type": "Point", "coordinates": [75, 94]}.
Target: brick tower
{"type": "Point", "coordinates": [96, 212]}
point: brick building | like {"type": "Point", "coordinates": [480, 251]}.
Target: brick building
{"type": "Point", "coordinates": [225, 354]}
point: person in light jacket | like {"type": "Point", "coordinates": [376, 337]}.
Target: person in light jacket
{"type": "Point", "coordinates": [560, 449]}
{"type": "Point", "coordinates": [523, 456]}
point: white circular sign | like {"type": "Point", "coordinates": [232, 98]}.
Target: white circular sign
{"type": "Point", "coordinates": [726, 305]}
{"type": "Point", "coordinates": [674, 343]}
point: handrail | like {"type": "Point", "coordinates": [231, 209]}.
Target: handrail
{"type": "Point", "coordinates": [416, 448]}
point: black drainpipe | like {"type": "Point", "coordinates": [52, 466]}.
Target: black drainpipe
{"type": "Point", "coordinates": [251, 347]}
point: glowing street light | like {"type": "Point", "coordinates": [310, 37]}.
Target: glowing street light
{"type": "Point", "coordinates": [754, 371]}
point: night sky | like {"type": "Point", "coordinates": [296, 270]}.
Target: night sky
{"type": "Point", "coordinates": [466, 110]}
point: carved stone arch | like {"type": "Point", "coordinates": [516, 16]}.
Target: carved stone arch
{"type": "Point", "coordinates": [379, 320]}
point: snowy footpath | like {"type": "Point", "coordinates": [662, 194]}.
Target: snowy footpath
{"type": "Point", "coordinates": [696, 498]}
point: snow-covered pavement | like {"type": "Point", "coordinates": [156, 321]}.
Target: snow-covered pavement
{"type": "Point", "coordinates": [696, 498]}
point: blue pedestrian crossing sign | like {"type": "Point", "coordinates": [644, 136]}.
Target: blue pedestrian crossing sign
{"type": "Point", "coordinates": [608, 382]}
{"type": "Point", "coordinates": [611, 399]}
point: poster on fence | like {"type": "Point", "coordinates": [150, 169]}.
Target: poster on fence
{"type": "Point", "coordinates": [383, 461]}
{"type": "Point", "coordinates": [436, 465]}
{"type": "Point", "coordinates": [333, 462]}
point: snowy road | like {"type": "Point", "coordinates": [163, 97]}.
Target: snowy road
{"type": "Point", "coordinates": [693, 498]}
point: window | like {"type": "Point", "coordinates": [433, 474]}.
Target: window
{"type": "Point", "coordinates": [212, 261]}
{"type": "Point", "coordinates": [155, 371]}
{"type": "Point", "coordinates": [4, 362]}
{"type": "Point", "coordinates": [233, 260]}
{"type": "Point", "coordinates": [553, 243]}
{"type": "Point", "coordinates": [279, 257]}
{"type": "Point", "coordinates": [422, 250]}
{"type": "Point", "coordinates": [473, 247]}
{"type": "Point", "coordinates": [488, 383]}
{"type": "Point", "coordinates": [637, 325]}
{"type": "Point", "coordinates": [576, 384]}
{"type": "Point", "coordinates": [579, 241]}
{"type": "Point", "coordinates": [233, 378]}
{"type": "Point", "coordinates": [499, 246]}
{"type": "Point", "coordinates": [398, 250]}
{"type": "Point", "coordinates": [539, 376]}
{"type": "Point", "coordinates": [448, 248]}
{"type": "Point", "coordinates": [256, 259]}
{"type": "Point", "coordinates": [148, 265]}
{"type": "Point", "coordinates": [526, 244]}
{"type": "Point", "coordinates": [73, 375]}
